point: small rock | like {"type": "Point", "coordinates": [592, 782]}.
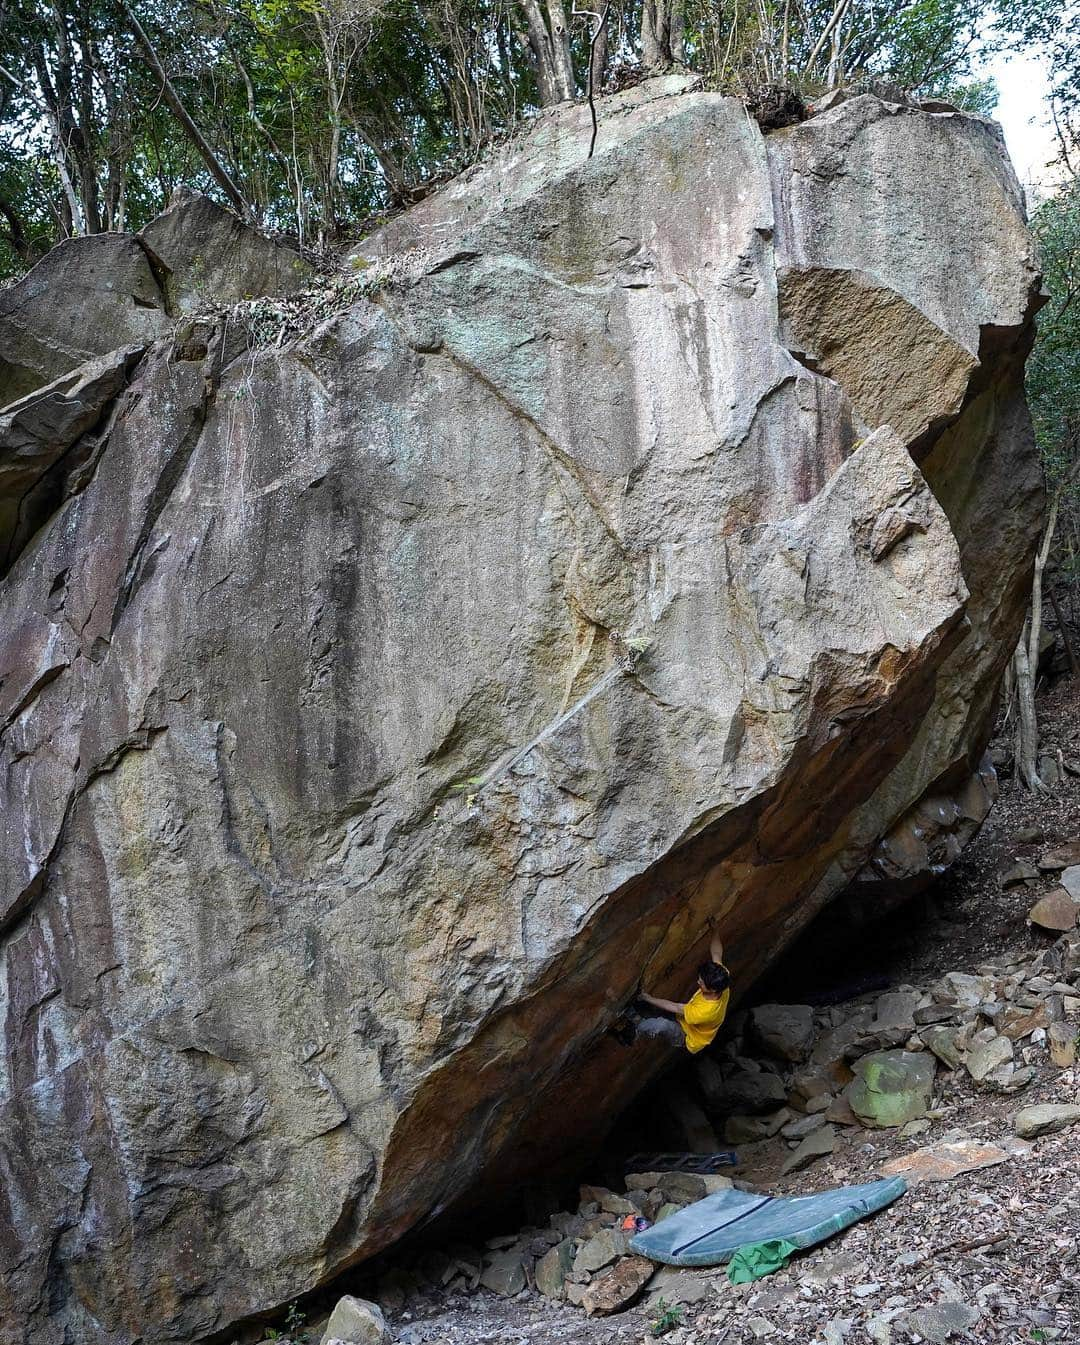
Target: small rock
{"type": "Point", "coordinates": [1070, 880]}
{"type": "Point", "coordinates": [913, 1128]}
{"type": "Point", "coordinates": [1018, 1024]}
{"type": "Point", "coordinates": [942, 1041]}
{"type": "Point", "coordinates": [552, 1269]}
{"type": "Point", "coordinates": [970, 991]}
{"type": "Point", "coordinates": [618, 1288]}
{"type": "Point", "coordinates": [601, 1250]}
{"type": "Point", "coordinates": [615, 1204]}
{"type": "Point", "coordinates": [1045, 1118]}
{"type": "Point", "coordinates": [750, 1129]}
{"type": "Point", "coordinates": [1020, 872]}
{"type": "Point", "coordinates": [642, 1181]}
{"type": "Point", "coordinates": [808, 1083]}
{"type": "Point", "coordinates": [834, 1266]}
{"type": "Point", "coordinates": [715, 1182]}
{"type": "Point", "coordinates": [1008, 1079]}
{"type": "Point", "coordinates": [839, 1112]}
{"type": "Point", "coordinates": [1029, 835]}
{"type": "Point", "coordinates": [785, 1031]}
{"type": "Point", "coordinates": [1057, 911]}
{"type": "Point", "coordinates": [1061, 1038]}
{"type": "Point", "coordinates": [745, 1092]}
{"type": "Point", "coordinates": [592, 1195]}
{"type": "Point", "coordinates": [684, 1187]}
{"type": "Point", "coordinates": [505, 1274]}
{"type": "Point", "coordinates": [358, 1322]}
{"type": "Point", "coordinates": [1060, 857]}
{"type": "Point", "coordinates": [937, 1322]}
{"type": "Point", "coordinates": [802, 1126]}
{"type": "Point", "coordinates": [818, 1144]}
{"type": "Point", "coordinates": [879, 1330]}
{"type": "Point", "coordinates": [760, 1326]}
{"type": "Point", "coordinates": [895, 1011]}
{"type": "Point", "coordinates": [989, 1056]}
{"type": "Point", "coordinates": [677, 1286]}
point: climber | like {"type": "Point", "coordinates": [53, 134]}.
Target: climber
{"type": "Point", "coordinates": [695, 1023]}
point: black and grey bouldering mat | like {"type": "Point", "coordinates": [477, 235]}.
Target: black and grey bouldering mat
{"type": "Point", "coordinates": [700, 1165]}
{"type": "Point", "coordinates": [710, 1231]}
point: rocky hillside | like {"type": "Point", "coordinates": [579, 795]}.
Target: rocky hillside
{"type": "Point", "coordinates": [635, 540]}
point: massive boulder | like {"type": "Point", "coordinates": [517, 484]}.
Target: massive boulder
{"type": "Point", "coordinates": [641, 549]}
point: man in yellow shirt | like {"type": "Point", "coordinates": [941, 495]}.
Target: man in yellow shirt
{"type": "Point", "coordinates": [695, 1023]}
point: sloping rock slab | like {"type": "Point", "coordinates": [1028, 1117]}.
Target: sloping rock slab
{"type": "Point", "coordinates": [87, 297]}
{"type": "Point", "coordinates": [203, 255]}
{"type": "Point", "coordinates": [40, 429]}
{"type": "Point", "coordinates": [943, 1162]}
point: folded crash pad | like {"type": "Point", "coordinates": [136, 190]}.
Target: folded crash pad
{"type": "Point", "coordinates": [697, 1164]}
{"type": "Point", "coordinates": [708, 1232]}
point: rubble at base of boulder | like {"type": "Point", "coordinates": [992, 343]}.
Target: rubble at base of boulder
{"type": "Point", "coordinates": [985, 1031]}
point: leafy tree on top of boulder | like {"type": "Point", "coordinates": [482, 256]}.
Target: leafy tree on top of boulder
{"type": "Point", "coordinates": [311, 116]}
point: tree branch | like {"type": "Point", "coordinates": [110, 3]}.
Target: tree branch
{"type": "Point", "coordinates": [217, 170]}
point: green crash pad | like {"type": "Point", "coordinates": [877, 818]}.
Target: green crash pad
{"type": "Point", "coordinates": [710, 1231]}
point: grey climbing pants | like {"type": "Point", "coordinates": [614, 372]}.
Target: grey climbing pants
{"type": "Point", "coordinates": [666, 1028]}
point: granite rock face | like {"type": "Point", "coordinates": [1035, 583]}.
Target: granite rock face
{"type": "Point", "coordinates": [719, 438]}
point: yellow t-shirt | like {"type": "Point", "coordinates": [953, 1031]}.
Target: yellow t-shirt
{"type": "Point", "coordinates": [701, 1020]}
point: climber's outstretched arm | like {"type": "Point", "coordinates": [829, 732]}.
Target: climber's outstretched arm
{"type": "Point", "coordinates": [716, 947]}
{"type": "Point", "coordinates": [668, 1005]}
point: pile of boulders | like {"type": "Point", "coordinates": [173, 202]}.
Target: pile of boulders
{"type": "Point", "coordinates": [1056, 910]}
{"type": "Point", "coordinates": [580, 1256]}
{"type": "Point", "coordinates": [794, 1073]}
{"type": "Point", "coordinates": [797, 1072]}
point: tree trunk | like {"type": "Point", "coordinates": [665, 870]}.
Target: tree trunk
{"type": "Point", "coordinates": [598, 56]}
{"type": "Point", "coordinates": [1026, 664]}
{"type": "Point", "coordinates": [180, 112]}
{"type": "Point", "coordinates": [560, 46]}
{"type": "Point", "coordinates": [663, 26]}
{"type": "Point", "coordinates": [1026, 737]}
{"type": "Point", "coordinates": [550, 51]}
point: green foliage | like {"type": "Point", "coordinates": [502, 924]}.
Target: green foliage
{"type": "Point", "coordinates": [327, 113]}
{"type": "Point", "coordinates": [1053, 370]}
{"type": "Point", "coordinates": [294, 1323]}
{"type": "Point", "coordinates": [668, 1316]}
{"type": "Point", "coordinates": [1050, 28]}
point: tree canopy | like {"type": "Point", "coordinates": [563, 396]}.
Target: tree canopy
{"type": "Point", "coordinates": [309, 116]}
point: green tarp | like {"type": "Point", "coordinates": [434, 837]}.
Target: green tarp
{"type": "Point", "coordinates": [758, 1259]}
{"type": "Point", "coordinates": [710, 1231]}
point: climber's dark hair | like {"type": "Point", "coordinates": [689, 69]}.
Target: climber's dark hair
{"type": "Point", "coordinates": [714, 977]}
